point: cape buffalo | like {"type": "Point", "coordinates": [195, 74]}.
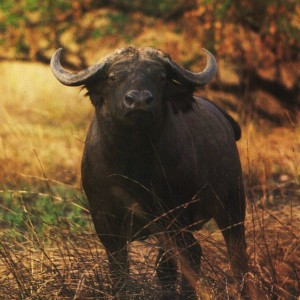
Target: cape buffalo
{"type": "Point", "coordinates": [159, 161]}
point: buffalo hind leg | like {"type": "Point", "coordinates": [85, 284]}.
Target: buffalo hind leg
{"type": "Point", "coordinates": [234, 236]}
{"type": "Point", "coordinates": [236, 246]}
{"type": "Point", "coordinates": [230, 219]}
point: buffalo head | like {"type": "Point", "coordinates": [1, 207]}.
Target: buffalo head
{"type": "Point", "coordinates": [132, 84]}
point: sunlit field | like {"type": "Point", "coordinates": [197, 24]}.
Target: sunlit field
{"type": "Point", "coordinates": [48, 246]}
{"type": "Point", "coordinates": [43, 126]}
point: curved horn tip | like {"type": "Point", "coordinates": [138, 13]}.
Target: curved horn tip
{"type": "Point", "coordinates": [211, 57]}
{"type": "Point", "coordinates": [56, 55]}
{"type": "Point", "coordinates": [59, 50]}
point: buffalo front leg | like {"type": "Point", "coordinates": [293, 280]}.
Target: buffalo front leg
{"type": "Point", "coordinates": [182, 252]}
{"type": "Point", "coordinates": [114, 240]}
{"type": "Point", "coordinates": [166, 270]}
{"type": "Point", "coordinates": [189, 254]}
{"type": "Point", "coordinates": [117, 254]}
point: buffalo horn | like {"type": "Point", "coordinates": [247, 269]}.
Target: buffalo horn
{"type": "Point", "coordinates": [196, 79]}
{"type": "Point", "coordinates": [74, 79]}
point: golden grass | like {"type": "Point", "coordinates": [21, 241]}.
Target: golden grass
{"type": "Point", "coordinates": [270, 153]}
{"type": "Point", "coordinates": [43, 123]}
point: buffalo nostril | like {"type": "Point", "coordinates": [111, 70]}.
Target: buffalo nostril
{"type": "Point", "coordinates": [136, 99]}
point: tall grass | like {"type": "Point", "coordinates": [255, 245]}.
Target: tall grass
{"type": "Point", "coordinates": [48, 246]}
{"type": "Point", "coordinates": [49, 250]}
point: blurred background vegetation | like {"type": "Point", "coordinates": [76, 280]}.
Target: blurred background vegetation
{"type": "Point", "coordinates": [258, 40]}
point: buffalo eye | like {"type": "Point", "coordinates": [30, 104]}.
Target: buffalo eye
{"type": "Point", "coordinates": [112, 77]}
{"type": "Point", "coordinates": [161, 77]}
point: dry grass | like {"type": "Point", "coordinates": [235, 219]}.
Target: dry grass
{"type": "Point", "coordinates": [41, 136]}
{"type": "Point", "coordinates": [40, 120]}
{"type": "Point", "coordinates": [59, 264]}
{"type": "Point", "coordinates": [270, 154]}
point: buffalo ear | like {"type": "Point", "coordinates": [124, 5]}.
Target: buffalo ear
{"type": "Point", "coordinates": [96, 99]}
{"type": "Point", "coordinates": [180, 96]}
{"type": "Point", "coordinates": [94, 94]}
